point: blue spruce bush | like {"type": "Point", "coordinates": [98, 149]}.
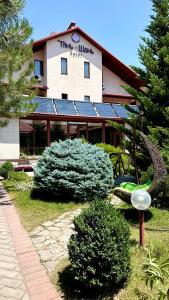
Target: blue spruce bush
{"type": "Point", "coordinates": [75, 169]}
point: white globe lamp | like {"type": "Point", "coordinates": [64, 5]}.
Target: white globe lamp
{"type": "Point", "coordinates": [141, 200]}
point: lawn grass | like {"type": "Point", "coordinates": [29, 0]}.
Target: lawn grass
{"type": "Point", "coordinates": [34, 211]}
{"type": "Point", "coordinates": [153, 217]}
{"type": "Point", "coordinates": [156, 241]}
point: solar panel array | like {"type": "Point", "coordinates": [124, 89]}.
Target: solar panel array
{"type": "Point", "coordinates": [80, 108]}
{"type": "Point", "coordinates": [44, 105]}
{"type": "Point", "coordinates": [85, 108]}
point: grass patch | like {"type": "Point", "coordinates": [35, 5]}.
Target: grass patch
{"type": "Point", "coordinates": [154, 217]}
{"type": "Point", "coordinates": [34, 211]}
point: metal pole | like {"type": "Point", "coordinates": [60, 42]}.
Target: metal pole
{"type": "Point", "coordinates": [141, 222]}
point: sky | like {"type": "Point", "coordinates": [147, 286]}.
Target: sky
{"type": "Point", "coordinates": [115, 24]}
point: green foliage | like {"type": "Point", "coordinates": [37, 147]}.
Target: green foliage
{"type": "Point", "coordinates": [71, 167]}
{"type": "Point", "coordinates": [154, 103]}
{"type": "Point", "coordinates": [99, 250]}
{"type": "Point", "coordinates": [18, 176]}
{"type": "Point", "coordinates": [147, 175]}
{"type": "Point", "coordinates": [19, 181]}
{"type": "Point", "coordinates": [15, 52]}
{"type": "Point", "coordinates": [111, 150]}
{"type": "Point", "coordinates": [23, 186]}
{"type": "Point", "coordinates": [157, 276]}
{"type": "Point", "coordinates": [5, 169]}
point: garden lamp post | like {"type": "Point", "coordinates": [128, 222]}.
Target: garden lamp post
{"type": "Point", "coordinates": [141, 200]}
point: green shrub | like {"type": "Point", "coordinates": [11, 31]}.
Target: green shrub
{"type": "Point", "coordinates": [147, 175]}
{"type": "Point", "coordinates": [5, 169]}
{"type": "Point", "coordinates": [18, 176]}
{"type": "Point", "coordinates": [110, 150]}
{"type": "Point", "coordinates": [75, 169]}
{"type": "Point", "coordinates": [23, 186]}
{"type": "Point", "coordinates": [99, 250]}
{"type": "Point", "coordinates": [156, 275]}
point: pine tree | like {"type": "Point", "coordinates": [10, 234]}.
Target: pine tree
{"type": "Point", "coordinates": [153, 115]}
{"type": "Point", "coordinates": [16, 64]}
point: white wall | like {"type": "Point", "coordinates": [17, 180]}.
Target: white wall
{"type": "Point", "coordinates": [74, 84]}
{"type": "Point", "coordinates": [113, 84]}
{"type": "Point", "coordinates": [9, 140]}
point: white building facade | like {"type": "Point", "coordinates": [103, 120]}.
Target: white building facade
{"type": "Point", "coordinates": [70, 66]}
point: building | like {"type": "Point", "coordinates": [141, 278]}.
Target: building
{"type": "Point", "coordinates": [79, 87]}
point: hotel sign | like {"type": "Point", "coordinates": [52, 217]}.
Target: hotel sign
{"type": "Point", "coordinates": [80, 48]}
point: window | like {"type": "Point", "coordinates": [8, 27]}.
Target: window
{"type": "Point", "coordinates": [86, 69]}
{"type": "Point", "coordinates": [38, 67]}
{"type": "Point", "coordinates": [63, 65]}
{"type": "Point", "coordinates": [64, 96]}
{"type": "Point", "coordinates": [87, 98]}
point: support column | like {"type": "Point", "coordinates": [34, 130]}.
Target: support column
{"type": "Point", "coordinates": [78, 131]}
{"type": "Point", "coordinates": [68, 130]}
{"type": "Point", "coordinates": [103, 133]}
{"type": "Point", "coordinates": [48, 133]}
{"type": "Point", "coordinates": [33, 142]}
{"type": "Point", "coordinates": [87, 132]}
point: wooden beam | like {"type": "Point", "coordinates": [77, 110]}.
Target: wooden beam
{"type": "Point", "coordinates": [48, 133]}
{"type": "Point", "coordinates": [103, 133]}
{"type": "Point", "coordinates": [78, 131]}
{"type": "Point", "coordinates": [33, 133]}
{"type": "Point", "coordinates": [68, 118]}
{"type": "Point", "coordinates": [87, 132]}
{"type": "Point", "coordinates": [68, 130]}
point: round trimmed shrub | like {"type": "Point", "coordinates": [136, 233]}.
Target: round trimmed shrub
{"type": "Point", "coordinates": [75, 169]}
{"type": "Point", "coordinates": [5, 169]}
{"type": "Point", "coordinates": [99, 251]}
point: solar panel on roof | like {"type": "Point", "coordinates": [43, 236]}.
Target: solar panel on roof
{"type": "Point", "coordinates": [45, 105]}
{"type": "Point", "coordinates": [85, 108]}
{"type": "Point", "coordinates": [65, 107]}
{"type": "Point", "coordinates": [105, 110]}
{"type": "Point", "coordinates": [120, 111]}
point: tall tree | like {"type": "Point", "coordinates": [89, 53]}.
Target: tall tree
{"type": "Point", "coordinates": [154, 98]}
{"type": "Point", "coordinates": [16, 63]}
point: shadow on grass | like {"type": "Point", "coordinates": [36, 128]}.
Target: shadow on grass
{"type": "Point", "coordinates": [50, 197]}
{"type": "Point", "coordinates": [134, 243]}
{"type": "Point", "coordinates": [132, 215]}
{"type": "Point", "coordinates": [74, 291]}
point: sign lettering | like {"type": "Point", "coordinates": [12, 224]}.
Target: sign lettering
{"type": "Point", "coordinates": [80, 48]}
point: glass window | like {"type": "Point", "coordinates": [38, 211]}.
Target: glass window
{"type": "Point", "coordinates": [86, 69]}
{"type": "Point", "coordinates": [87, 98]}
{"type": "Point", "coordinates": [64, 96]}
{"type": "Point", "coordinates": [63, 65]}
{"type": "Point", "coordinates": [38, 67]}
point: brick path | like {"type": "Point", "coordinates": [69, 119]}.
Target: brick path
{"type": "Point", "coordinates": [21, 274]}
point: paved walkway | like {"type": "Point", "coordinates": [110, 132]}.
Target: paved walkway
{"type": "Point", "coordinates": [21, 274]}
